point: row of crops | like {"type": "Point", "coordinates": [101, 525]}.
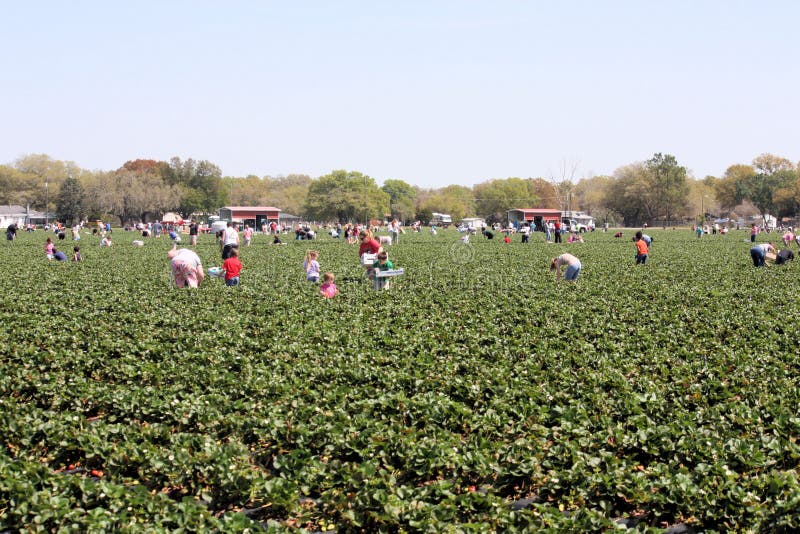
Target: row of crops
{"type": "Point", "coordinates": [476, 395]}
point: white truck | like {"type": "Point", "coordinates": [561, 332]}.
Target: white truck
{"type": "Point", "coordinates": [442, 220]}
{"type": "Point", "coordinates": [473, 222]}
{"type": "Point", "coordinates": [577, 221]}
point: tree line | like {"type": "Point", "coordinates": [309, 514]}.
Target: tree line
{"type": "Point", "coordinates": [655, 191]}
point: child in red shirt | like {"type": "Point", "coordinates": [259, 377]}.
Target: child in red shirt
{"type": "Point", "coordinates": [232, 267]}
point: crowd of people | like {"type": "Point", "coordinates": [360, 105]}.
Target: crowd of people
{"type": "Point", "coordinates": [186, 267]}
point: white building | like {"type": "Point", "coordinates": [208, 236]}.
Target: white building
{"type": "Point", "coordinates": [20, 215]}
{"type": "Point", "coordinates": [767, 221]}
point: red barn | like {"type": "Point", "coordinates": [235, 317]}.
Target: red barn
{"type": "Point", "coordinates": [253, 216]}
{"type": "Point", "coordinates": [535, 216]}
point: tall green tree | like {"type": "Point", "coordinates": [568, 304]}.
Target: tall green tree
{"type": "Point", "coordinates": [70, 206]}
{"type": "Point", "coordinates": [669, 189]}
{"type": "Point", "coordinates": [787, 196]}
{"type": "Point", "coordinates": [199, 182]}
{"type": "Point", "coordinates": [42, 179]}
{"type": "Point", "coordinates": [248, 191]}
{"type": "Point", "coordinates": [46, 168]}
{"type": "Point", "coordinates": [346, 196]}
{"type": "Point", "coordinates": [17, 187]}
{"type": "Point", "coordinates": [626, 192]}
{"type": "Point", "coordinates": [424, 215]}
{"type": "Point", "coordinates": [101, 193]}
{"type": "Point", "coordinates": [702, 201]}
{"type": "Point", "coordinates": [726, 189]}
{"type": "Point", "coordinates": [456, 200]}
{"type": "Point", "coordinates": [495, 197]}
{"type": "Point", "coordinates": [289, 192]}
{"type": "Point", "coordinates": [771, 164]}
{"type": "Point", "coordinates": [401, 199]}
{"type": "Point", "coordinates": [207, 179]}
{"type": "Point", "coordinates": [546, 192]}
{"type": "Point", "coordinates": [590, 194]}
{"type": "Point", "coordinates": [762, 190]}
{"type": "Point", "coordinates": [129, 195]}
{"type": "Point", "coordinates": [769, 184]}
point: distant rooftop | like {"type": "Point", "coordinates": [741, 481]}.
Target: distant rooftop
{"type": "Point", "coordinates": [258, 208]}
{"type": "Point", "coordinates": [12, 209]}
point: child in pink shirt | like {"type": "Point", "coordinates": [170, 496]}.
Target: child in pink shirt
{"type": "Point", "coordinates": [328, 289]}
{"type": "Point", "coordinates": [49, 248]}
{"type": "Point", "coordinates": [788, 237]}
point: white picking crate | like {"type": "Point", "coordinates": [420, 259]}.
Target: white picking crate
{"type": "Point", "coordinates": [368, 259]}
{"type": "Point", "coordinates": [390, 273]}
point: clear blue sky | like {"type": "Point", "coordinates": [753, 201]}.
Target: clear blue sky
{"type": "Point", "coordinates": [431, 92]}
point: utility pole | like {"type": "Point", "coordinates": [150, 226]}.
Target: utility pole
{"type": "Point", "coordinates": [703, 208]}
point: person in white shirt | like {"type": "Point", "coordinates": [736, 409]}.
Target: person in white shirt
{"type": "Point", "coordinates": [394, 231]}
{"type": "Point", "coordinates": [572, 263]}
{"type": "Point", "coordinates": [230, 240]}
{"type": "Point", "coordinates": [525, 230]}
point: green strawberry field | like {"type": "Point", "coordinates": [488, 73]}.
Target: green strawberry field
{"type": "Point", "coordinates": [476, 394]}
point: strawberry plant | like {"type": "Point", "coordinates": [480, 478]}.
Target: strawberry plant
{"type": "Point", "coordinates": [476, 394]}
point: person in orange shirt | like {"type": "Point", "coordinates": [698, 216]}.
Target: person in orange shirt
{"type": "Point", "coordinates": [641, 249]}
